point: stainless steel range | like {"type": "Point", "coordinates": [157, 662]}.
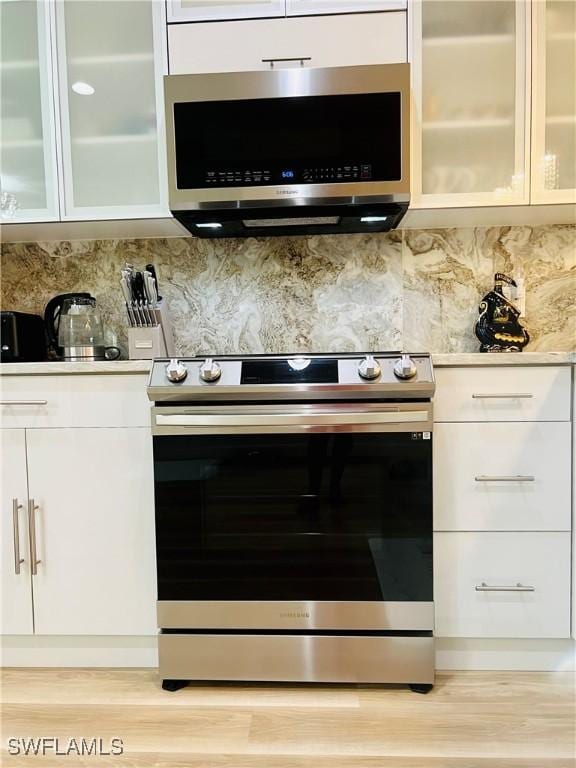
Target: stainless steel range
{"type": "Point", "coordinates": [294, 518]}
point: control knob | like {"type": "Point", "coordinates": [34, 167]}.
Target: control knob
{"type": "Point", "coordinates": [210, 370]}
{"type": "Point", "coordinates": [176, 371]}
{"type": "Point", "coordinates": [369, 368]}
{"type": "Point", "coordinates": [405, 367]}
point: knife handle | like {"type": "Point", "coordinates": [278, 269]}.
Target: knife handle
{"type": "Point", "coordinates": [150, 268]}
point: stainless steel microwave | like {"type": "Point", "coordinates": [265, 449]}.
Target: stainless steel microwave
{"type": "Point", "coordinates": [289, 151]}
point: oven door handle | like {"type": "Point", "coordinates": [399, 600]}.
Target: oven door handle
{"type": "Point", "coordinates": [290, 419]}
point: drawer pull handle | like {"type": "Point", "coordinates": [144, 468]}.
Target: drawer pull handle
{"type": "Point", "coordinates": [301, 59]}
{"type": "Point", "coordinates": [23, 402]}
{"type": "Point", "coordinates": [505, 395]}
{"type": "Point", "coordinates": [514, 588]}
{"type": "Point", "coordinates": [16, 530]}
{"type": "Point", "coordinates": [504, 478]}
{"type": "Point", "coordinates": [34, 562]}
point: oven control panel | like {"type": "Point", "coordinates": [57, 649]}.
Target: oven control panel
{"type": "Point", "coordinates": [390, 375]}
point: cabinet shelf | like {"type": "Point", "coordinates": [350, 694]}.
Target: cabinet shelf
{"type": "Point", "coordinates": [22, 144]}
{"type": "Point", "coordinates": [113, 58]}
{"type": "Point", "coordinates": [561, 120]}
{"type": "Point", "coordinates": [129, 138]}
{"type": "Point", "coordinates": [466, 125]}
{"type": "Point", "coordinates": [466, 40]}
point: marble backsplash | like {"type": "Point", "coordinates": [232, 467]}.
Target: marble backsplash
{"type": "Point", "coordinates": [412, 289]}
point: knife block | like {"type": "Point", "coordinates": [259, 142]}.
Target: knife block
{"type": "Point", "coordinates": [148, 342]}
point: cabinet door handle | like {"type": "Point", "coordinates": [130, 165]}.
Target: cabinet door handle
{"type": "Point", "coordinates": [16, 528]}
{"type": "Point", "coordinates": [483, 587]}
{"type": "Point", "coordinates": [301, 59]}
{"type": "Point", "coordinates": [504, 478]}
{"type": "Point", "coordinates": [502, 395]}
{"type": "Point", "coordinates": [23, 402]}
{"type": "Point", "coordinates": [34, 562]}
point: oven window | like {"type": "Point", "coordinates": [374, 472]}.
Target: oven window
{"type": "Point", "coordinates": [294, 517]}
{"type": "Point", "coordinates": [289, 140]}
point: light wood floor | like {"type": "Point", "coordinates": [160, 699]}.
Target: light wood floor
{"type": "Point", "coordinates": [470, 720]}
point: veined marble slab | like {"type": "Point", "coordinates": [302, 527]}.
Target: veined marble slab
{"type": "Point", "coordinates": [143, 366]}
{"type": "Point", "coordinates": [411, 289]}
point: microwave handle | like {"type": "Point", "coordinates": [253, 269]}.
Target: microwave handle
{"type": "Point", "coordinates": [301, 59]}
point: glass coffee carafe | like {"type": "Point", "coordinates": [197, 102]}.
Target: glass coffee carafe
{"type": "Point", "coordinates": [80, 332]}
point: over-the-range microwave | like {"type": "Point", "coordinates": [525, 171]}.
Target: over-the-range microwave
{"type": "Point", "coordinates": [289, 151]}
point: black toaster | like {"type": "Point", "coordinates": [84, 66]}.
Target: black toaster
{"type": "Point", "coordinates": [22, 337]}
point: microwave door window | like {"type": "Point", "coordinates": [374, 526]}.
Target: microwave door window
{"type": "Point", "coordinates": [294, 140]}
{"type": "Point", "coordinates": [294, 517]}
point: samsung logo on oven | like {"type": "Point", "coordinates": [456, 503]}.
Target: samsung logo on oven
{"type": "Point", "coordinates": [295, 615]}
{"type": "Point", "coordinates": [286, 191]}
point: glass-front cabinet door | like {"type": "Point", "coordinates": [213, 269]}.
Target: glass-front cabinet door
{"type": "Point", "coordinates": [110, 66]}
{"type": "Point", "coordinates": [471, 80]}
{"type": "Point", "coordinates": [221, 10]}
{"type": "Point", "coordinates": [554, 102]}
{"type": "Point", "coordinates": [28, 180]}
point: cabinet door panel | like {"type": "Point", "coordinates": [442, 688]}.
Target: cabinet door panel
{"type": "Point", "coordinates": [110, 62]}
{"type": "Point", "coordinates": [502, 585]}
{"type": "Point", "coordinates": [207, 10]}
{"type": "Point", "coordinates": [28, 149]}
{"type": "Point", "coordinates": [16, 587]}
{"type": "Point", "coordinates": [322, 41]}
{"type": "Point", "coordinates": [506, 393]}
{"type": "Point", "coordinates": [470, 81]}
{"type": "Point", "coordinates": [554, 102]}
{"type": "Point", "coordinates": [474, 470]}
{"type": "Point", "coordinates": [95, 531]}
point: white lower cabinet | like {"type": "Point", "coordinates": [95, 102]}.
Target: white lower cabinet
{"type": "Point", "coordinates": [80, 502]}
{"type": "Point", "coordinates": [14, 542]}
{"type": "Point", "coordinates": [508, 476]}
{"type": "Point", "coordinates": [95, 531]}
{"type": "Point", "coordinates": [502, 585]}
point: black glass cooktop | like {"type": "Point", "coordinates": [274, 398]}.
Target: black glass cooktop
{"type": "Point", "coordinates": [293, 371]}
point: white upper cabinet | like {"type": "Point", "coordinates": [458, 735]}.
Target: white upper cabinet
{"type": "Point", "coordinates": [28, 180]}
{"type": "Point", "coordinates": [554, 102]}
{"type": "Point", "coordinates": [318, 41]}
{"type": "Point", "coordinates": [311, 7]}
{"type": "Point", "coordinates": [471, 81]}
{"type": "Point", "coordinates": [110, 66]}
{"type": "Point", "coordinates": [220, 10]}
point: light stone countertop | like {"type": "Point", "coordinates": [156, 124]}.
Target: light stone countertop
{"type": "Point", "coordinates": [143, 366]}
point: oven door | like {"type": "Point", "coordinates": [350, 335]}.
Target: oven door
{"type": "Point", "coordinates": [305, 517]}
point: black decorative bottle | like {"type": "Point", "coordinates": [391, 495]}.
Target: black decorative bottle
{"type": "Point", "coordinates": [498, 327]}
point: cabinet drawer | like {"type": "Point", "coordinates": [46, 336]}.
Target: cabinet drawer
{"type": "Point", "coordinates": [467, 565]}
{"type": "Point", "coordinates": [502, 394]}
{"type": "Point", "coordinates": [74, 401]}
{"type": "Point", "coordinates": [502, 477]}
{"type": "Point", "coordinates": [321, 41]}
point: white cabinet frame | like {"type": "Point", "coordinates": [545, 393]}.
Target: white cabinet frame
{"type": "Point", "coordinates": [225, 11]}
{"type": "Point", "coordinates": [539, 193]}
{"type": "Point", "coordinates": [69, 212]}
{"type": "Point", "coordinates": [522, 118]}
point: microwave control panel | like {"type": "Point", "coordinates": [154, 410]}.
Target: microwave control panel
{"type": "Point", "coordinates": [328, 174]}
